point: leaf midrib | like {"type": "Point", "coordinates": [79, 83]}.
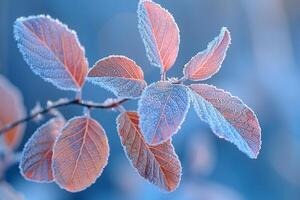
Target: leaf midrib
{"type": "Point", "coordinates": [46, 45]}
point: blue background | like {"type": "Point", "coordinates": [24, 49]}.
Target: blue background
{"type": "Point", "coordinates": [262, 68]}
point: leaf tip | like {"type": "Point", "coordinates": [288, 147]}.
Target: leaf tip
{"type": "Point", "coordinates": [225, 33]}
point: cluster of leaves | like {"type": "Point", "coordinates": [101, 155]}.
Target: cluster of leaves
{"type": "Point", "coordinates": [74, 153]}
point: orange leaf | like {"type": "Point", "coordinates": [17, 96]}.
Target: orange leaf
{"type": "Point", "coordinates": [80, 154]}
{"type": "Point", "coordinates": [228, 116]}
{"type": "Point", "coordinates": [160, 34]}
{"type": "Point", "coordinates": [120, 75]}
{"type": "Point", "coordinates": [158, 164]}
{"type": "Point", "coordinates": [11, 109]}
{"type": "Point", "coordinates": [52, 50]}
{"type": "Point", "coordinates": [208, 62]}
{"type": "Point", "coordinates": [36, 161]}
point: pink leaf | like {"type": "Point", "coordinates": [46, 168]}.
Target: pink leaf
{"type": "Point", "coordinates": [208, 62]}
{"type": "Point", "coordinates": [52, 50]}
{"type": "Point", "coordinates": [11, 109]}
{"type": "Point", "coordinates": [36, 160]}
{"type": "Point", "coordinates": [80, 154]}
{"type": "Point", "coordinates": [158, 164]}
{"type": "Point", "coordinates": [120, 75]}
{"type": "Point", "coordinates": [160, 34]}
{"type": "Point", "coordinates": [228, 117]}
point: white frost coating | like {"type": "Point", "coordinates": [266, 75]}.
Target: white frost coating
{"type": "Point", "coordinates": [44, 61]}
{"type": "Point", "coordinates": [149, 161]}
{"type": "Point", "coordinates": [162, 109]}
{"type": "Point", "coordinates": [121, 87]}
{"type": "Point", "coordinates": [219, 124]}
{"type": "Point", "coordinates": [35, 164]}
{"type": "Point", "coordinates": [147, 36]}
{"type": "Point", "coordinates": [154, 50]}
{"type": "Point", "coordinates": [207, 57]}
{"type": "Point", "coordinates": [80, 154]}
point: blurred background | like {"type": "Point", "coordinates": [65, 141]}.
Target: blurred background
{"type": "Point", "coordinates": [262, 68]}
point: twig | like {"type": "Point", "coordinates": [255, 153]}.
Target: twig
{"type": "Point", "coordinates": [78, 102]}
{"type": "Point", "coordinates": [179, 81]}
{"type": "Point", "coordinates": [182, 79]}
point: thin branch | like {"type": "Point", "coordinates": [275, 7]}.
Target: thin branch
{"type": "Point", "coordinates": [182, 79]}
{"type": "Point", "coordinates": [179, 81]}
{"type": "Point", "coordinates": [78, 102]}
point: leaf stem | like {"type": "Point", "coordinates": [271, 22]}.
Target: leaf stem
{"type": "Point", "coordinates": [78, 102]}
{"type": "Point", "coordinates": [78, 95]}
{"type": "Point", "coordinates": [163, 76]}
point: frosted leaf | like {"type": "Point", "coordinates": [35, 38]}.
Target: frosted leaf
{"type": "Point", "coordinates": [158, 164]}
{"type": "Point", "coordinates": [228, 117]}
{"type": "Point", "coordinates": [52, 50]}
{"type": "Point", "coordinates": [160, 34]}
{"type": "Point", "coordinates": [11, 109]}
{"type": "Point", "coordinates": [120, 75]}
{"type": "Point", "coordinates": [208, 62]}
{"type": "Point", "coordinates": [162, 109]}
{"type": "Point", "coordinates": [36, 161]}
{"type": "Point", "coordinates": [80, 154]}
